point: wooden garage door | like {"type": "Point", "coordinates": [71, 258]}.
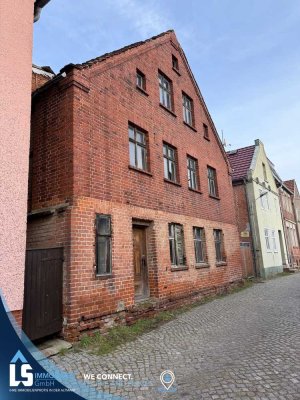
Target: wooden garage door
{"type": "Point", "coordinates": [42, 312]}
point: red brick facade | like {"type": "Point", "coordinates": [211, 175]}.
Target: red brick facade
{"type": "Point", "coordinates": [290, 225]}
{"type": "Point", "coordinates": [244, 228]}
{"type": "Point", "coordinates": [80, 160]}
{"type": "Point", "coordinates": [40, 75]}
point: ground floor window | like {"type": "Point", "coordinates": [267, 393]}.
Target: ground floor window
{"type": "Point", "coordinates": [103, 244]}
{"type": "Point", "coordinates": [176, 241]}
{"type": "Point", "coordinates": [199, 245]}
{"type": "Point", "coordinates": [219, 245]}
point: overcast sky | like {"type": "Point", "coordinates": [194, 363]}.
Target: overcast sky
{"type": "Point", "coordinates": [244, 54]}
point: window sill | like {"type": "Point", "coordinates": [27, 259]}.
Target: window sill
{"type": "Point", "coordinates": [214, 197]}
{"type": "Point", "coordinates": [206, 138]}
{"type": "Point", "coordinates": [174, 268]}
{"type": "Point", "coordinates": [190, 126]}
{"type": "Point", "coordinates": [221, 264]}
{"type": "Point", "coordinates": [142, 91]}
{"type": "Point", "coordinates": [139, 170]}
{"type": "Point", "coordinates": [167, 109]}
{"type": "Point", "coordinates": [195, 190]}
{"type": "Point", "coordinates": [172, 182]}
{"type": "Point", "coordinates": [177, 71]}
{"type": "Point", "coordinates": [104, 276]}
{"type": "Point", "coordinates": [201, 265]}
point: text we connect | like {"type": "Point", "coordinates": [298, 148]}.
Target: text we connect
{"type": "Point", "coordinates": [106, 377]}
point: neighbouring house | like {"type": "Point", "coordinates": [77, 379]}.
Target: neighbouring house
{"type": "Point", "coordinates": [40, 75]}
{"type": "Point", "coordinates": [15, 101]}
{"type": "Point", "coordinates": [290, 201]}
{"type": "Point", "coordinates": [131, 203]}
{"type": "Point", "coordinates": [262, 240]}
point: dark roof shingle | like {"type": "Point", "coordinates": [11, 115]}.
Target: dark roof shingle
{"type": "Point", "coordinates": [240, 161]}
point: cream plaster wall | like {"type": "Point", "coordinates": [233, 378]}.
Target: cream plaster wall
{"type": "Point", "coordinates": [266, 216]}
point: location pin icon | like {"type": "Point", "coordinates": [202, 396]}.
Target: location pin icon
{"type": "Point", "coordinates": [167, 379]}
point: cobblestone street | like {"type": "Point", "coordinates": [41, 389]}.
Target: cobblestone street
{"type": "Point", "coordinates": [242, 346]}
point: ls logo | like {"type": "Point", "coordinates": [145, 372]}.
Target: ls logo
{"type": "Point", "coordinates": [27, 377]}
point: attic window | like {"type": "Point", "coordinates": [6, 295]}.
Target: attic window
{"type": "Point", "coordinates": [265, 172]}
{"type": "Point", "coordinates": [175, 63]}
{"type": "Point", "coordinates": [140, 80]}
{"type": "Point", "coordinates": [205, 131]}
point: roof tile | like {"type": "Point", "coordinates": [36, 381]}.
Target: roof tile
{"type": "Point", "coordinates": [240, 161]}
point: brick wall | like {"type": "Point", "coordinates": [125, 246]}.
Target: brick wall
{"type": "Point", "coordinates": [242, 214]}
{"type": "Point", "coordinates": [80, 155]}
{"type": "Point", "coordinates": [38, 80]}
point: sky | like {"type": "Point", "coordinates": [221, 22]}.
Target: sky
{"type": "Point", "coordinates": [244, 55]}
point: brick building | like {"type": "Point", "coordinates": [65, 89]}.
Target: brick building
{"type": "Point", "coordinates": [131, 181]}
{"type": "Point", "coordinates": [40, 75]}
{"type": "Point", "coordinates": [290, 203]}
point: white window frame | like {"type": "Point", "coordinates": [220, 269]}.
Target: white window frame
{"type": "Point", "coordinates": [274, 242]}
{"type": "Point", "coordinates": [267, 240]}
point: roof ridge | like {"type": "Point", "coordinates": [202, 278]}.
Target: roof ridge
{"type": "Point", "coordinates": [107, 55]}
{"type": "Point", "coordinates": [240, 148]}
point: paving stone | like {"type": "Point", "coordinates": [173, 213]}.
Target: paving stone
{"type": "Point", "coordinates": [243, 346]}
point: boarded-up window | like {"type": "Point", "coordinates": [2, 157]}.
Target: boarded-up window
{"type": "Point", "coordinates": [103, 244]}
{"type": "Point", "coordinates": [176, 241]}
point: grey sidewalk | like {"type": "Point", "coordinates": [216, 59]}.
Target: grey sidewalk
{"type": "Point", "coordinates": [243, 346]}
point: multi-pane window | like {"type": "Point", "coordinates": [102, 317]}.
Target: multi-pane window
{"type": "Point", "coordinates": [187, 104]}
{"type": "Point", "coordinates": [267, 239]}
{"type": "Point", "coordinates": [192, 172]}
{"type": "Point", "coordinates": [212, 182]}
{"type": "Point", "coordinates": [274, 241]}
{"type": "Point", "coordinates": [103, 244]}
{"type": "Point", "coordinates": [169, 162]}
{"type": "Point", "coordinates": [140, 80]}
{"type": "Point", "coordinates": [165, 91]}
{"type": "Point", "coordinates": [271, 240]}
{"type": "Point", "coordinates": [205, 131]}
{"type": "Point", "coordinates": [219, 245]}
{"type": "Point", "coordinates": [137, 148]}
{"type": "Point", "coordinates": [175, 63]}
{"type": "Point", "coordinates": [200, 245]}
{"type": "Point", "coordinates": [176, 241]}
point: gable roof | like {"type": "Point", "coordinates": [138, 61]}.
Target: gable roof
{"type": "Point", "coordinates": [240, 161]}
{"type": "Point", "coordinates": [122, 50]}
{"type": "Point", "coordinates": [105, 56]}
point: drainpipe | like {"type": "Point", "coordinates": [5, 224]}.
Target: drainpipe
{"type": "Point", "coordinates": [253, 233]}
